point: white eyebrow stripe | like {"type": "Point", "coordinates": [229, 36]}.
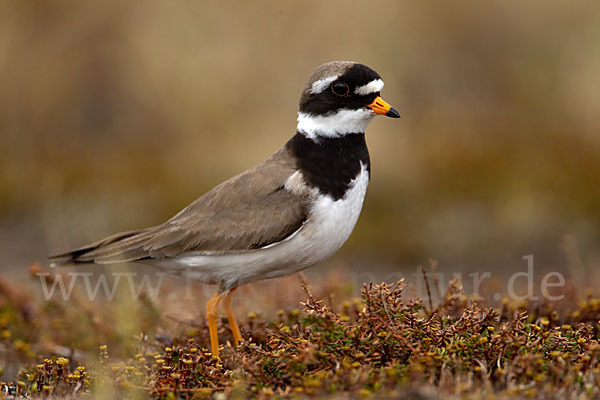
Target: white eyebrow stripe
{"type": "Point", "coordinates": [322, 84]}
{"type": "Point", "coordinates": [372, 87]}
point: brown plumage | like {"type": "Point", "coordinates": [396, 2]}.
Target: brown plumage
{"type": "Point", "coordinates": [250, 210]}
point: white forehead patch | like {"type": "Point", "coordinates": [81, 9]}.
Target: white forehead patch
{"type": "Point", "coordinates": [372, 87]}
{"type": "Point", "coordinates": [322, 84]}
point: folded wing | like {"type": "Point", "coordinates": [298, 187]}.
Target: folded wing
{"type": "Point", "coordinates": [249, 211]}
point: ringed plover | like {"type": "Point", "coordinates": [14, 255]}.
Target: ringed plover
{"type": "Point", "coordinates": [284, 215]}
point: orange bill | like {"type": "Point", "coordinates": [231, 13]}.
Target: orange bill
{"type": "Point", "coordinates": [381, 107]}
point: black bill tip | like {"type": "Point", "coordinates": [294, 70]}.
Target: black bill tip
{"type": "Point", "coordinates": [393, 113]}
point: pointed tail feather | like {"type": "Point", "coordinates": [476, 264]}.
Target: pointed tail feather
{"type": "Point", "coordinates": [122, 247]}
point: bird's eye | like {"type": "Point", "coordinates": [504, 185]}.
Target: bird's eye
{"type": "Point", "coordinates": [340, 88]}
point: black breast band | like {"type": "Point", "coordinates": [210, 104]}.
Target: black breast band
{"type": "Point", "coordinates": [330, 164]}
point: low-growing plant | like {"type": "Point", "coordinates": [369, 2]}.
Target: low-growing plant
{"type": "Point", "coordinates": [383, 344]}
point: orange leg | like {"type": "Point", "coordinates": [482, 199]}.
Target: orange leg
{"type": "Point", "coordinates": [235, 330]}
{"type": "Point", "coordinates": [211, 316]}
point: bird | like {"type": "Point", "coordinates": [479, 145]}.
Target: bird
{"type": "Point", "coordinates": [280, 217]}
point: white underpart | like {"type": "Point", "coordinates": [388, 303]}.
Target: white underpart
{"type": "Point", "coordinates": [340, 123]}
{"type": "Point", "coordinates": [322, 84]}
{"type": "Point", "coordinates": [328, 226]}
{"type": "Point", "coordinates": [372, 87]}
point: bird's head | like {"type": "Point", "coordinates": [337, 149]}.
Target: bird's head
{"type": "Point", "coordinates": [341, 98]}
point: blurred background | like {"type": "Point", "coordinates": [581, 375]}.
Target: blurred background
{"type": "Point", "coordinates": [114, 116]}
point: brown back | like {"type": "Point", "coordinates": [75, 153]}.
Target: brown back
{"type": "Point", "coordinates": [248, 211]}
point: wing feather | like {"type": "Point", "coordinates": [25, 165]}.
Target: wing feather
{"type": "Point", "coordinates": [251, 210]}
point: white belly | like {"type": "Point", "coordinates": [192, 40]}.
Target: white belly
{"type": "Point", "coordinates": [327, 228]}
